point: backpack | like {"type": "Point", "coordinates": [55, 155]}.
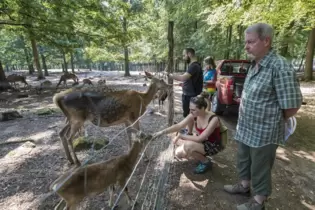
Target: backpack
{"type": "Point", "coordinates": [223, 132]}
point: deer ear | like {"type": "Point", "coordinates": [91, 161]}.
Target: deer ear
{"type": "Point", "coordinates": [149, 75]}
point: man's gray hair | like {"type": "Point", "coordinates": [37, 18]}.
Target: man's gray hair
{"type": "Point", "coordinates": [263, 30]}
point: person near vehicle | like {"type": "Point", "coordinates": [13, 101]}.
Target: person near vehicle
{"type": "Point", "coordinates": [192, 81]}
{"type": "Point", "coordinates": [209, 79]}
{"type": "Point", "coordinates": [271, 95]}
{"type": "Point", "coordinates": [206, 143]}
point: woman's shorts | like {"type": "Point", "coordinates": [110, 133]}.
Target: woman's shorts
{"type": "Point", "coordinates": [212, 148]}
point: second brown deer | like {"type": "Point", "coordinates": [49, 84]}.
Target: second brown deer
{"type": "Point", "coordinates": [13, 78]}
{"type": "Point", "coordinates": [93, 179]}
{"type": "Point", "coordinates": [103, 109]}
{"type": "Point", "coordinates": [67, 76]}
{"type": "Point", "coordinates": [87, 82]}
{"type": "Point", "coordinates": [161, 95]}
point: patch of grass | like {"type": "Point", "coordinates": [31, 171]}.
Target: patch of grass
{"type": "Point", "coordinates": [11, 153]}
{"type": "Point", "coordinates": [84, 143]}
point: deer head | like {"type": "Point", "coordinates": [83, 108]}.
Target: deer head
{"type": "Point", "coordinates": [160, 83]}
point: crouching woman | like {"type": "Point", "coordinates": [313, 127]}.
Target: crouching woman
{"type": "Point", "coordinates": [207, 142]}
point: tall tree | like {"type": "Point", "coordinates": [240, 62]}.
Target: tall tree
{"type": "Point", "coordinates": [308, 75]}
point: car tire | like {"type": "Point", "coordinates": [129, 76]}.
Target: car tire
{"type": "Point", "coordinates": [216, 107]}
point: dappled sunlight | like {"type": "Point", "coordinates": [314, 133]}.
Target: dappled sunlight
{"type": "Point", "coordinates": [18, 201]}
{"type": "Point", "coordinates": [184, 181]}
{"type": "Point", "coordinates": [281, 154]}
{"type": "Point", "coordinates": [307, 155]}
{"type": "Point", "coordinates": [308, 112]}
{"type": "Point", "coordinates": [308, 206]}
{"type": "Point", "coordinates": [21, 154]}
{"type": "Point", "coordinates": [221, 165]}
{"type": "Point", "coordinates": [185, 196]}
{"type": "Point", "coordinates": [43, 134]}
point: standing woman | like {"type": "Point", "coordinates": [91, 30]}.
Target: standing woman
{"type": "Point", "coordinates": [209, 79]}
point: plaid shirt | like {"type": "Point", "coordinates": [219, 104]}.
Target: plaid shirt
{"type": "Point", "coordinates": [268, 90]}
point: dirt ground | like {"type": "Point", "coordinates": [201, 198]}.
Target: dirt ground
{"type": "Point", "coordinates": [27, 169]}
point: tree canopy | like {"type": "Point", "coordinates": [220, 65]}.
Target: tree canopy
{"type": "Point", "coordinates": [90, 31]}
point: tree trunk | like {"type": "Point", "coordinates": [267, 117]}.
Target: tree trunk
{"type": "Point", "coordinates": [2, 74]}
{"type": "Point", "coordinates": [308, 73]}
{"type": "Point", "coordinates": [228, 42]}
{"type": "Point", "coordinates": [4, 85]}
{"type": "Point", "coordinates": [44, 64]}
{"type": "Point", "coordinates": [64, 61]}
{"type": "Point", "coordinates": [126, 53]}
{"type": "Point", "coordinates": [240, 42]}
{"type": "Point", "coordinates": [72, 64]}
{"type": "Point", "coordinates": [284, 45]}
{"type": "Point", "coordinates": [36, 59]}
{"type": "Point", "coordinates": [27, 57]}
{"type": "Point", "coordinates": [170, 37]}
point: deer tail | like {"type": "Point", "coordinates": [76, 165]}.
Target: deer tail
{"type": "Point", "coordinates": [58, 101]}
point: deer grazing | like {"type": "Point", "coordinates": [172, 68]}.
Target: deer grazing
{"type": "Point", "coordinates": [104, 108]}
{"type": "Point", "coordinates": [13, 78]}
{"type": "Point", "coordinates": [67, 76]}
{"type": "Point", "coordinates": [87, 82]}
{"type": "Point", "coordinates": [93, 179]}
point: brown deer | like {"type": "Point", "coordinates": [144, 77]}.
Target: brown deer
{"type": "Point", "coordinates": [87, 82]}
{"type": "Point", "coordinates": [67, 76]}
{"type": "Point", "coordinates": [161, 95]}
{"type": "Point", "coordinates": [17, 78]}
{"type": "Point", "coordinates": [94, 179]}
{"type": "Point", "coordinates": [103, 108]}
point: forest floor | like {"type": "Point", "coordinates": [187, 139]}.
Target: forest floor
{"type": "Point", "coordinates": [28, 169]}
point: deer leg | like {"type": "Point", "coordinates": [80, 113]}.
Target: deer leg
{"type": "Point", "coordinates": [74, 129]}
{"type": "Point", "coordinates": [127, 124]}
{"type": "Point", "coordinates": [61, 205]}
{"type": "Point", "coordinates": [137, 127]}
{"type": "Point", "coordinates": [63, 135]}
{"type": "Point", "coordinates": [111, 195]}
{"type": "Point", "coordinates": [127, 195]}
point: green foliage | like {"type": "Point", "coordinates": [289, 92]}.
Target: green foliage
{"type": "Point", "coordinates": [93, 30]}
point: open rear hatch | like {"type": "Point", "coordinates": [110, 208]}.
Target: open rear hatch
{"type": "Point", "coordinates": [238, 70]}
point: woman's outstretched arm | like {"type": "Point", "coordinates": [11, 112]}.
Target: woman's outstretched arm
{"type": "Point", "coordinates": [176, 127]}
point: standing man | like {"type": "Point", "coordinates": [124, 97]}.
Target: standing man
{"type": "Point", "coordinates": [192, 81]}
{"type": "Point", "coordinates": [270, 96]}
